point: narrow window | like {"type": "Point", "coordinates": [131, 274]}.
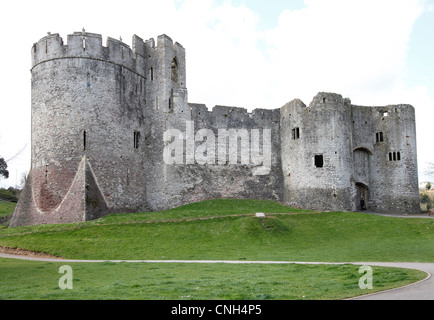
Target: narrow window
{"type": "Point", "coordinates": [84, 140]}
{"type": "Point", "coordinates": [295, 133]}
{"type": "Point", "coordinates": [324, 100]}
{"type": "Point", "coordinates": [390, 156]}
{"type": "Point", "coordinates": [84, 44]}
{"type": "Point", "coordinates": [46, 173]}
{"type": "Point", "coordinates": [174, 67]}
{"type": "Point", "coordinates": [88, 80]}
{"type": "Point", "coordinates": [319, 161]}
{"type": "Point", "coordinates": [379, 137]}
{"type": "Point", "coordinates": [394, 156]}
{"type": "Point", "coordinates": [398, 156]}
{"type": "Point", "coordinates": [136, 139]}
{"type": "Point", "coordinates": [151, 73]}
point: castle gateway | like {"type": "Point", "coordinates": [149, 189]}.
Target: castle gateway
{"type": "Point", "coordinates": [103, 119]}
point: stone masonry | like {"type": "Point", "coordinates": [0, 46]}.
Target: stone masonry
{"type": "Point", "coordinates": [100, 118]}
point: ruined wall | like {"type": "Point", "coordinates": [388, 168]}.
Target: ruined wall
{"type": "Point", "coordinates": [364, 152]}
{"type": "Point", "coordinates": [388, 136]}
{"type": "Point", "coordinates": [112, 131]}
{"type": "Point", "coordinates": [316, 153]}
{"type": "Point", "coordinates": [166, 108]}
{"type": "Point", "coordinates": [244, 177]}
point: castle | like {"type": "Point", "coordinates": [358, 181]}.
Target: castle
{"type": "Point", "coordinates": [104, 116]}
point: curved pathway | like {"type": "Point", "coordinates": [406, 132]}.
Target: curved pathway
{"type": "Point", "coordinates": [422, 290]}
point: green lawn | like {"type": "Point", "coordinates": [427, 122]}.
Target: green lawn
{"type": "Point", "coordinates": [218, 229]}
{"type": "Point", "coordinates": [328, 237]}
{"type": "Point", "coordinates": [159, 281]}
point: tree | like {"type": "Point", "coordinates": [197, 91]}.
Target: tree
{"type": "Point", "coordinates": [428, 186]}
{"type": "Point", "coordinates": [4, 168]}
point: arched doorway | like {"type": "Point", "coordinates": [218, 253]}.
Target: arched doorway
{"type": "Point", "coordinates": [362, 197]}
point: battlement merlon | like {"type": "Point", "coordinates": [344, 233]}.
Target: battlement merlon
{"type": "Point", "coordinates": [89, 45]}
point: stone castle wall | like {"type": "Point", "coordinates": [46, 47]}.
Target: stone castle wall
{"type": "Point", "coordinates": [100, 115]}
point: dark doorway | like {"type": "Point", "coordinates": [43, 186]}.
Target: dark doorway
{"type": "Point", "coordinates": [362, 197]}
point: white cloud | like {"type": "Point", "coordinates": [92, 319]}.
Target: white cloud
{"type": "Point", "coordinates": [349, 47]}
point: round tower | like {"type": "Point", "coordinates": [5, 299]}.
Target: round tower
{"type": "Point", "coordinates": [88, 122]}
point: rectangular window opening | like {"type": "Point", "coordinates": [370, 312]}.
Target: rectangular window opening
{"type": "Point", "coordinates": [84, 140]}
{"type": "Point", "coordinates": [319, 161]}
{"type": "Point", "coordinates": [136, 139]}
{"type": "Point", "coordinates": [379, 137]}
{"type": "Point", "coordinates": [295, 133]}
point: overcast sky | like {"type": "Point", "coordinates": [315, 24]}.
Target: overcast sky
{"type": "Point", "coordinates": [245, 53]}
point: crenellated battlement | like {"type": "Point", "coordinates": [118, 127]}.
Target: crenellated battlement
{"type": "Point", "coordinates": [87, 45]}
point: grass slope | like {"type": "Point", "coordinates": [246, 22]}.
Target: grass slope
{"type": "Point", "coordinates": [334, 236]}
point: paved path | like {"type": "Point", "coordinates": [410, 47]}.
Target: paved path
{"type": "Point", "coordinates": [422, 290]}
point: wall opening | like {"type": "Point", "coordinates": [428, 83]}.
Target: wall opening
{"type": "Point", "coordinates": [362, 196]}
{"type": "Point", "coordinates": [136, 139]}
{"type": "Point", "coordinates": [151, 73]}
{"type": "Point", "coordinates": [319, 161]}
{"type": "Point", "coordinates": [379, 137]}
{"type": "Point", "coordinates": [174, 67]}
{"type": "Point", "coordinates": [295, 133]}
{"type": "Point", "coordinates": [394, 156]}
{"type": "Point", "coordinates": [84, 140]}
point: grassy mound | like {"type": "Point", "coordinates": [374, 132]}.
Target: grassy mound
{"type": "Point", "coordinates": [228, 230]}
